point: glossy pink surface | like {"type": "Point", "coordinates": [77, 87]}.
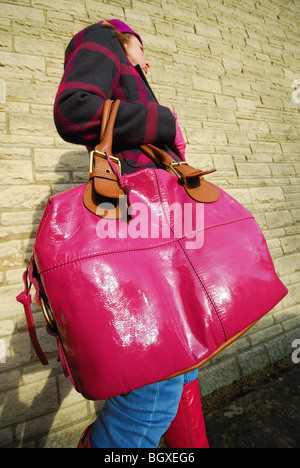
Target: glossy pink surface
{"type": "Point", "coordinates": [134, 311]}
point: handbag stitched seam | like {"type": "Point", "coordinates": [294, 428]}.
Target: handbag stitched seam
{"type": "Point", "coordinates": [149, 247]}
{"type": "Point", "coordinates": [99, 254]}
{"type": "Point", "coordinates": [206, 291]}
{"type": "Point", "coordinates": [161, 192]}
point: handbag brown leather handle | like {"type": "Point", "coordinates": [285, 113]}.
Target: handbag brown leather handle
{"type": "Point", "coordinates": [104, 184]}
{"type": "Point", "coordinates": [103, 191]}
{"type": "Point", "coordinates": [158, 156]}
{"type": "Point", "coordinates": [105, 116]}
{"type": "Point", "coordinates": [110, 112]}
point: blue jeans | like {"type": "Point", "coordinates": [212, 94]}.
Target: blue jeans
{"type": "Point", "coordinates": [141, 418]}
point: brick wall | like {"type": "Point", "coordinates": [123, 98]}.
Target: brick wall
{"type": "Point", "coordinates": [231, 70]}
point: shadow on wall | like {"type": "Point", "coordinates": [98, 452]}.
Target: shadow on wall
{"type": "Point", "coordinates": [30, 409]}
{"type": "Point", "coordinates": [30, 402]}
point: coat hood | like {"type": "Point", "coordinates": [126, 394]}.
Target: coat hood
{"type": "Point", "coordinates": [123, 28]}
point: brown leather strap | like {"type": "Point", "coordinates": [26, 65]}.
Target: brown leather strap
{"type": "Point", "coordinates": [105, 117]}
{"type": "Point", "coordinates": [152, 155]}
{"type": "Point", "coordinates": [110, 109]}
{"type": "Point", "coordinates": [104, 181]}
{"type": "Point", "coordinates": [180, 168]}
{"type": "Point", "coordinates": [192, 179]}
{"type": "Point", "coordinates": [105, 170]}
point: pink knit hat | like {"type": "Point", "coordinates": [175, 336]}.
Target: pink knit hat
{"type": "Point", "coordinates": [123, 28]}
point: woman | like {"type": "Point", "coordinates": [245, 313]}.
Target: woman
{"type": "Point", "coordinates": [106, 61]}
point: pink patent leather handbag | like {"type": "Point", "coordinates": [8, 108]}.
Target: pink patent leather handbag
{"type": "Point", "coordinates": [154, 291]}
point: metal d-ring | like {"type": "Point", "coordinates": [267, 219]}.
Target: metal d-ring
{"type": "Point", "coordinates": [48, 314]}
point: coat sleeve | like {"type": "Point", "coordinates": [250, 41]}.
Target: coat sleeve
{"type": "Point", "coordinates": [92, 73]}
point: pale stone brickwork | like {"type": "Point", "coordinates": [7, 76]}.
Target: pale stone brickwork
{"type": "Point", "coordinates": [231, 70]}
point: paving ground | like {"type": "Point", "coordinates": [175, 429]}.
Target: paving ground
{"type": "Point", "coordinates": [260, 414]}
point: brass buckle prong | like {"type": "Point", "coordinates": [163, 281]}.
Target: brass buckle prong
{"type": "Point", "coordinates": [102, 154]}
{"type": "Point", "coordinates": [177, 163]}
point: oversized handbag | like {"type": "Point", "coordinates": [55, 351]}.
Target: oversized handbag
{"type": "Point", "coordinates": [145, 276]}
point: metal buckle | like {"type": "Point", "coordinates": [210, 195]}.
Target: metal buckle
{"type": "Point", "coordinates": [48, 314]}
{"type": "Point", "coordinates": [177, 163]}
{"type": "Point", "coordinates": [103, 154]}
